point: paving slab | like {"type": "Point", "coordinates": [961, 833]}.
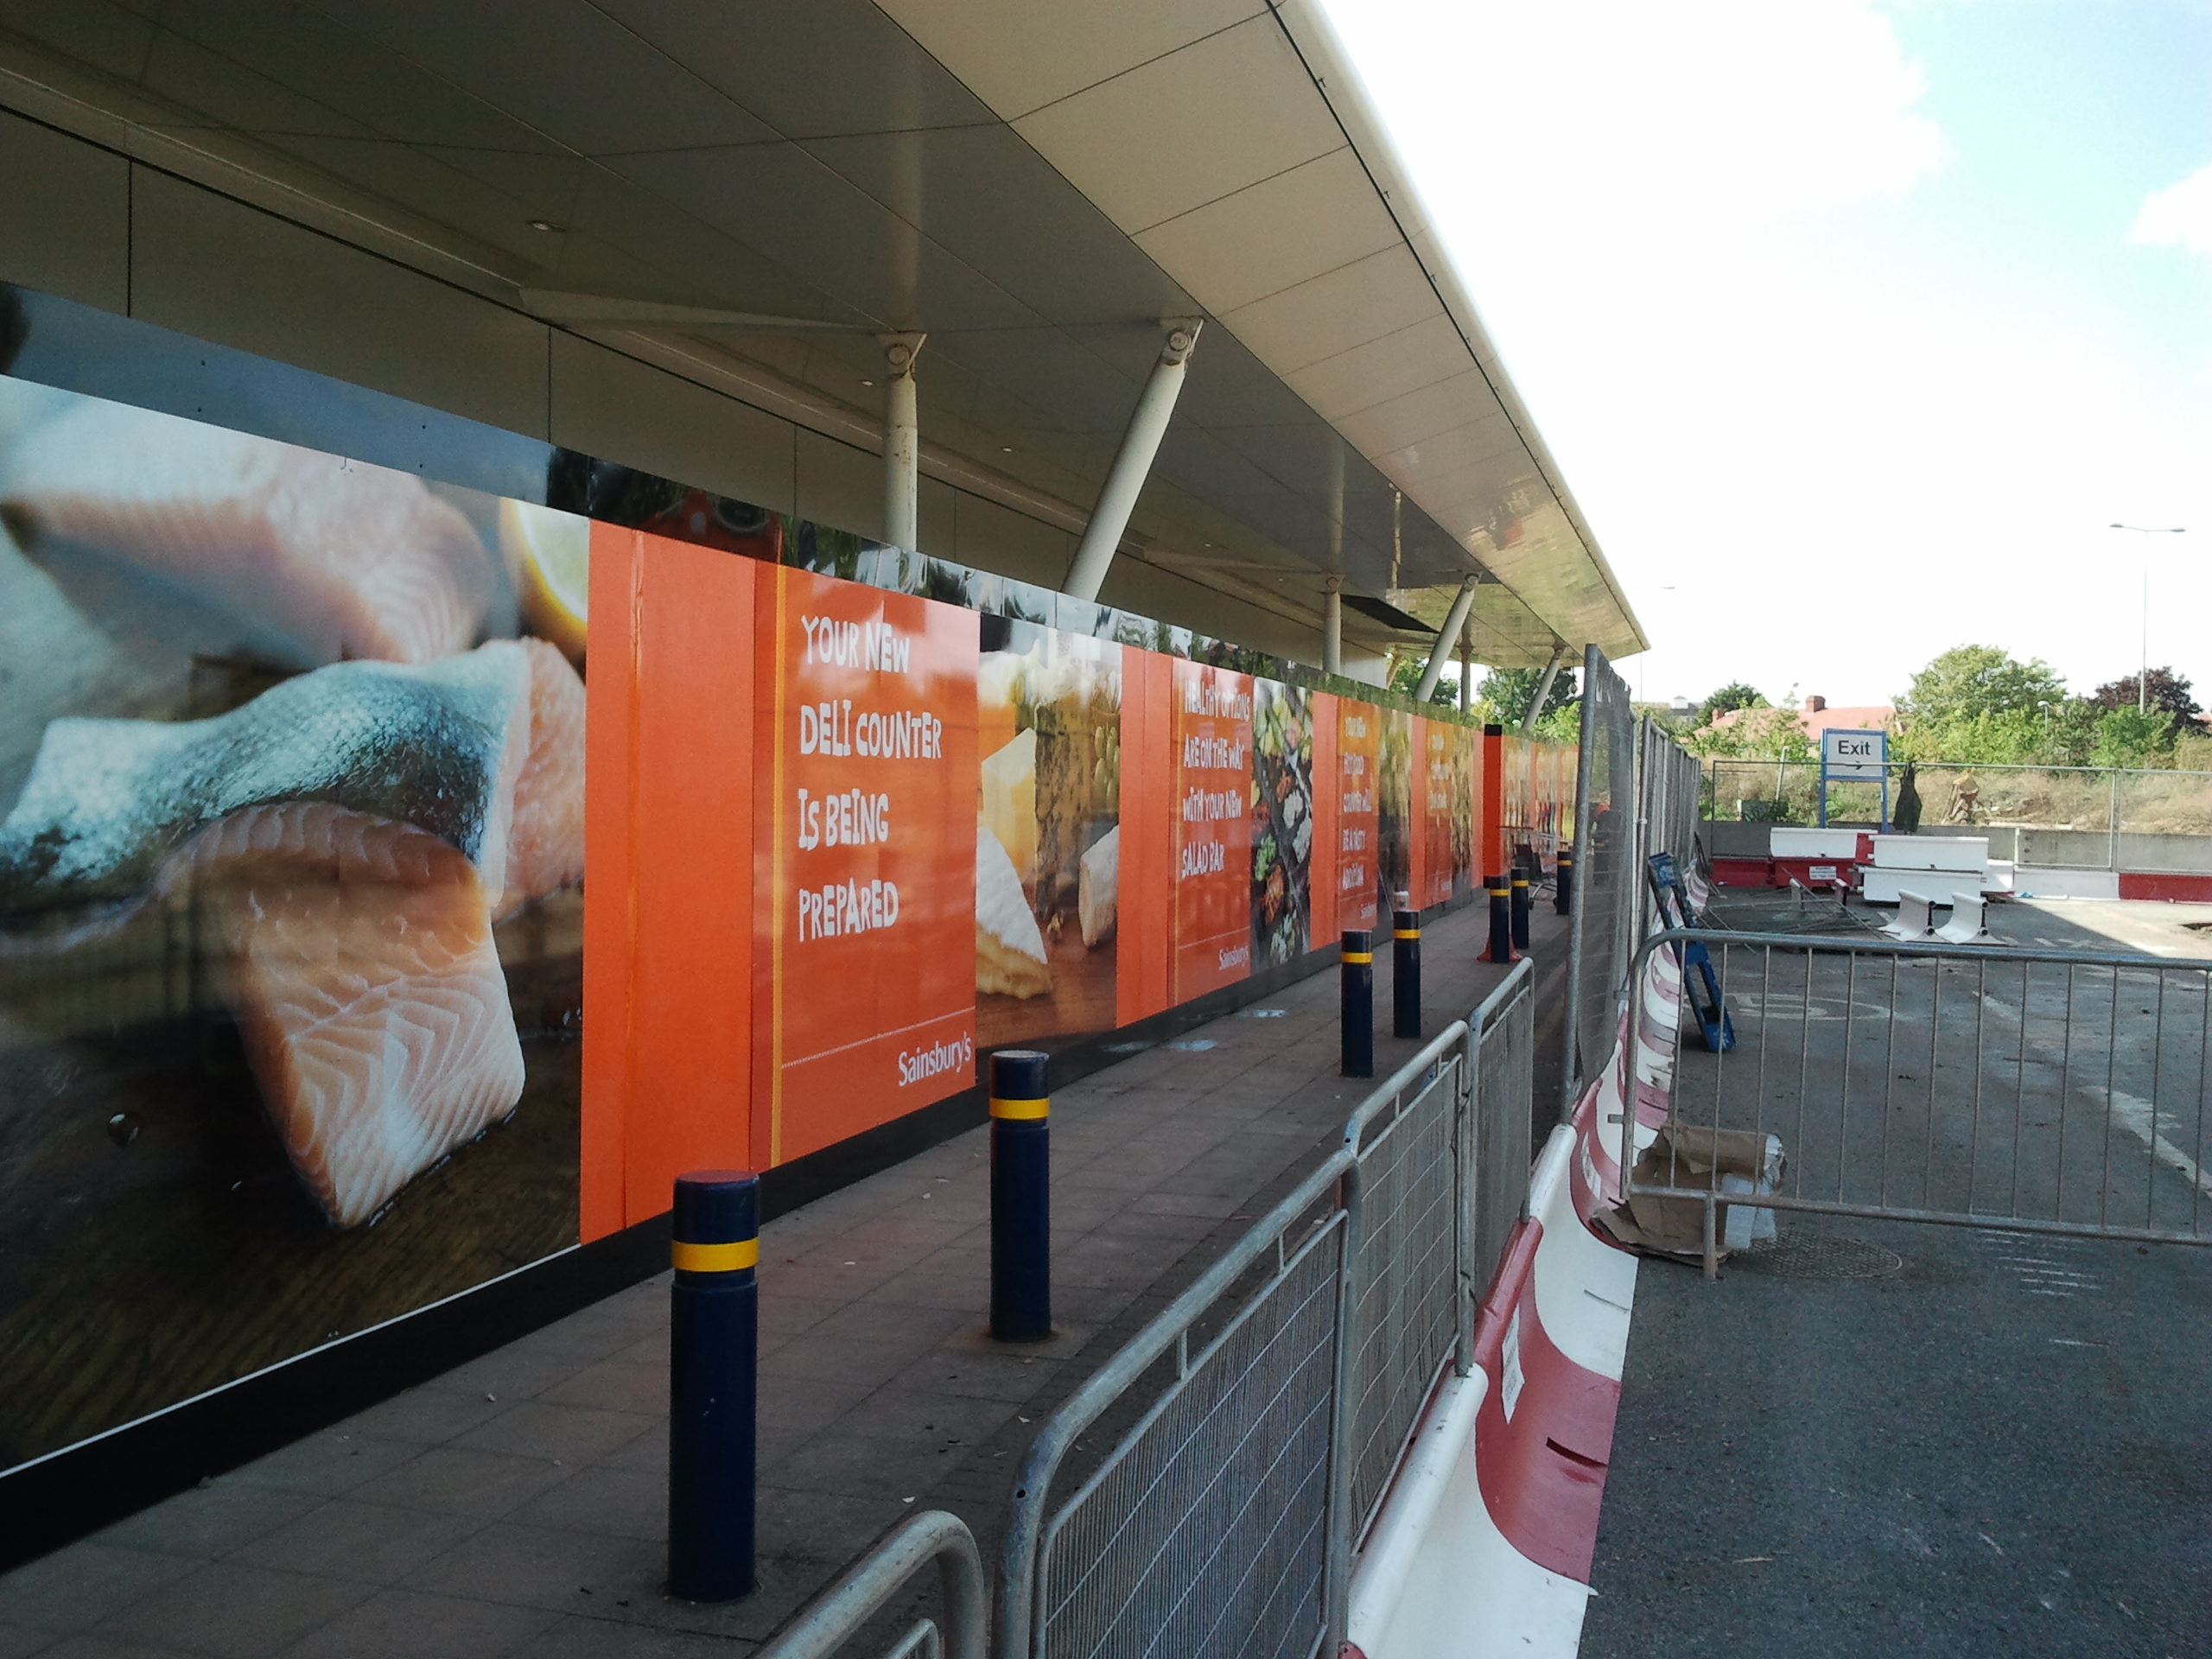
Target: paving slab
{"type": "Point", "coordinates": [518, 1502]}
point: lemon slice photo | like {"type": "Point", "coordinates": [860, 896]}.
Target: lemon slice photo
{"type": "Point", "coordinates": [549, 552]}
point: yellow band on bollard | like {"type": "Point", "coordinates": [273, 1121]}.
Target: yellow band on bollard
{"type": "Point", "coordinates": [1407, 933]}
{"type": "Point", "coordinates": [1021, 1108]}
{"type": "Point", "coordinates": [715, 1258]}
{"type": "Point", "coordinates": [1358, 956]}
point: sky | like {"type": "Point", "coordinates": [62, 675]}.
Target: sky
{"type": "Point", "coordinates": [1853, 326]}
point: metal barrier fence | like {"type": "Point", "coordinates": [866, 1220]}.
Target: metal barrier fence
{"type": "Point", "coordinates": [1204, 1492]}
{"type": "Point", "coordinates": [1607, 883]}
{"type": "Point", "coordinates": [1498, 1148]}
{"type": "Point", "coordinates": [2021, 1088]}
{"type": "Point", "coordinates": [1669, 781]}
{"type": "Point", "coordinates": [843, 1609]}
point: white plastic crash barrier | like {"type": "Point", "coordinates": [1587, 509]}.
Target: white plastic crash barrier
{"type": "Point", "coordinates": [1969, 923]}
{"type": "Point", "coordinates": [1484, 1543]}
{"type": "Point", "coordinates": [1916, 918]}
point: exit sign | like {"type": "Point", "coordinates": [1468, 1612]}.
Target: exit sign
{"type": "Point", "coordinates": [1854, 755]}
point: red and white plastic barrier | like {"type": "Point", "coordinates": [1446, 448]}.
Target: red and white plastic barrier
{"type": "Point", "coordinates": [1484, 1542]}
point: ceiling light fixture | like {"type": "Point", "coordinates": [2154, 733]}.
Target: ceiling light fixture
{"type": "Point", "coordinates": [545, 225]}
{"type": "Point", "coordinates": [868, 383]}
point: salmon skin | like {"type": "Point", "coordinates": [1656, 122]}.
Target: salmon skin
{"type": "Point", "coordinates": [108, 801]}
{"type": "Point", "coordinates": [343, 558]}
{"type": "Point", "coordinates": [351, 833]}
{"type": "Point", "coordinates": [369, 993]}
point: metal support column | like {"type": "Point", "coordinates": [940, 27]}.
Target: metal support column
{"type": "Point", "coordinates": [1447, 637]}
{"type": "Point", "coordinates": [1544, 688]}
{"type": "Point", "coordinates": [902, 444]}
{"type": "Point", "coordinates": [1117, 496]}
{"type": "Point", "coordinates": [1333, 626]}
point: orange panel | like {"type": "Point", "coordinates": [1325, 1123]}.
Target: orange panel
{"type": "Point", "coordinates": [1417, 787]}
{"type": "Point", "coordinates": [1324, 869]}
{"type": "Point", "coordinates": [1436, 810]}
{"type": "Point", "coordinates": [1359, 826]}
{"type": "Point", "coordinates": [608, 891]}
{"type": "Point", "coordinates": [669, 858]}
{"type": "Point", "coordinates": [1492, 840]}
{"type": "Point", "coordinates": [1212, 755]}
{"type": "Point", "coordinates": [1147, 839]}
{"type": "Point", "coordinates": [864, 937]}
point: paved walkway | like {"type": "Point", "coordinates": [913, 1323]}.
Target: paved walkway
{"type": "Point", "coordinates": [519, 1504]}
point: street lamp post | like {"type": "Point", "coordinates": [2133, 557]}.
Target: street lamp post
{"type": "Point", "coordinates": [2143, 676]}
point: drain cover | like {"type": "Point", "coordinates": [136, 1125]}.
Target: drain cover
{"type": "Point", "coordinates": [1819, 1255]}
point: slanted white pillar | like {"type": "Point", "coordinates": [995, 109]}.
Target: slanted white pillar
{"type": "Point", "coordinates": [1333, 626]}
{"type": "Point", "coordinates": [902, 444]}
{"type": "Point", "coordinates": [1117, 496]}
{"type": "Point", "coordinates": [1543, 688]}
{"type": "Point", "coordinates": [1447, 637]}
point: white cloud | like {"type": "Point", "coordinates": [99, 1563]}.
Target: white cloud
{"type": "Point", "coordinates": [1840, 460]}
{"type": "Point", "coordinates": [2179, 216]}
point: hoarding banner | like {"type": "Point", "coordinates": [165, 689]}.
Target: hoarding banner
{"type": "Point", "coordinates": [1213, 709]}
{"type": "Point", "coordinates": [866, 860]}
{"type": "Point", "coordinates": [1359, 741]}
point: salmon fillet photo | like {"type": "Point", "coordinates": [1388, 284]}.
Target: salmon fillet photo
{"type": "Point", "coordinates": [343, 558]}
{"type": "Point", "coordinates": [352, 833]}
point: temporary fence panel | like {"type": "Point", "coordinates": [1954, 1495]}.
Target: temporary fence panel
{"type": "Point", "coordinates": [1404, 1280]}
{"type": "Point", "coordinates": [2031, 1089]}
{"type": "Point", "coordinates": [1501, 1129]}
{"type": "Point", "coordinates": [1205, 1531]}
{"type": "Point", "coordinates": [864, 1589]}
{"type": "Point", "coordinates": [1268, 1408]}
{"type": "Point", "coordinates": [1606, 885]}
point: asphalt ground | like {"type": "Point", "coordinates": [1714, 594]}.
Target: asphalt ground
{"type": "Point", "coordinates": [1922, 1439]}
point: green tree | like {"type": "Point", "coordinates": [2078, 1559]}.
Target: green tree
{"type": "Point", "coordinates": [1733, 696]}
{"type": "Point", "coordinates": [2169, 692]}
{"type": "Point", "coordinates": [1987, 739]}
{"type": "Point", "coordinates": [1756, 734]}
{"type": "Point", "coordinates": [2068, 736]}
{"type": "Point", "coordinates": [1406, 680]}
{"type": "Point", "coordinates": [1510, 690]}
{"type": "Point", "coordinates": [2127, 737]}
{"type": "Point", "coordinates": [1970, 680]}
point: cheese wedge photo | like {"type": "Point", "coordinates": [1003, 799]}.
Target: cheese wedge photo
{"type": "Point", "coordinates": [1010, 802]}
{"type": "Point", "coordinates": [1009, 950]}
{"type": "Point", "coordinates": [1098, 888]}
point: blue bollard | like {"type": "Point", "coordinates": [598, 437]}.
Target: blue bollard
{"type": "Point", "coordinates": [713, 1351]}
{"type": "Point", "coordinates": [1563, 901]}
{"type": "Point", "coordinates": [1520, 910]}
{"type": "Point", "coordinates": [1021, 1207]}
{"type": "Point", "coordinates": [1358, 958]}
{"type": "Point", "coordinates": [1405, 972]}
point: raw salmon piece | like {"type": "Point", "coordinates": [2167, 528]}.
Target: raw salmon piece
{"type": "Point", "coordinates": [344, 558]}
{"type": "Point", "coordinates": [441, 747]}
{"type": "Point", "coordinates": [545, 829]}
{"type": "Point", "coordinates": [368, 992]}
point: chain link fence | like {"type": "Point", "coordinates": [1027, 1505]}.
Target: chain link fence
{"type": "Point", "coordinates": [2062, 817]}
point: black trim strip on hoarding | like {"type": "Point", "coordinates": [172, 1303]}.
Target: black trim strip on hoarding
{"type": "Point", "coordinates": [50, 1503]}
